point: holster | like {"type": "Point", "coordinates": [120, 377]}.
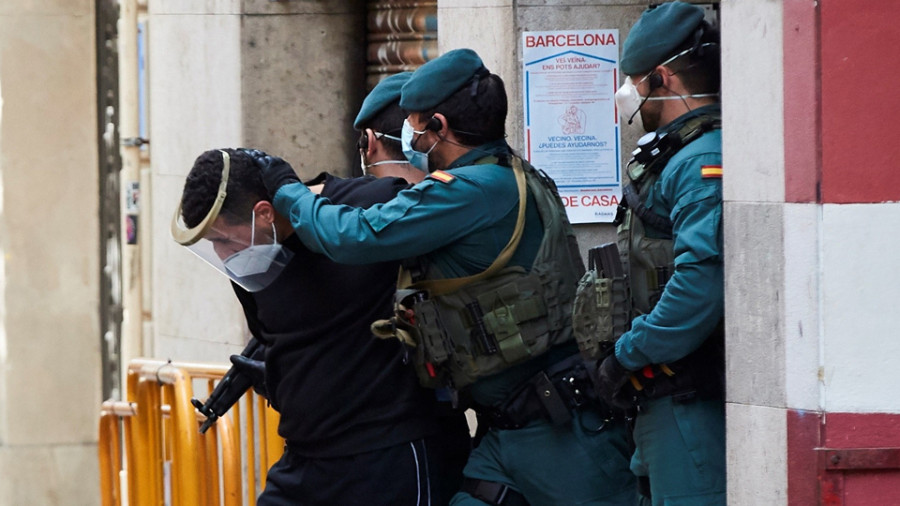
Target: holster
{"type": "Point", "coordinates": [552, 394]}
{"type": "Point", "coordinates": [698, 375]}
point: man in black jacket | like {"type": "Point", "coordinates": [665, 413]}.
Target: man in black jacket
{"type": "Point", "coordinates": [359, 428]}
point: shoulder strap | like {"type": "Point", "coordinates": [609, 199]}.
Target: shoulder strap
{"type": "Point", "coordinates": [672, 143]}
{"type": "Point", "coordinates": [692, 129]}
{"type": "Point", "coordinates": [444, 286]}
{"type": "Point", "coordinates": [633, 201]}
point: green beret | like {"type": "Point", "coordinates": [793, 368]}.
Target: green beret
{"type": "Point", "coordinates": [435, 81]}
{"type": "Point", "coordinates": [657, 34]}
{"type": "Point", "coordinates": [385, 93]}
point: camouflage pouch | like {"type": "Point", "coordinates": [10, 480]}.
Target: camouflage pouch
{"type": "Point", "coordinates": [601, 311]}
{"type": "Point", "coordinates": [482, 328]}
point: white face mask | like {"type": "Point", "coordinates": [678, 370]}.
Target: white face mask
{"type": "Point", "coordinates": [629, 103]}
{"type": "Point", "coordinates": [252, 260]}
{"type": "Point", "coordinates": [256, 258]}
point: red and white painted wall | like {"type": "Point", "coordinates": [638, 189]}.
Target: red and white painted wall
{"type": "Point", "coordinates": [812, 234]}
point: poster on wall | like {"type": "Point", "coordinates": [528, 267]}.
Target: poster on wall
{"type": "Point", "coordinates": [571, 123]}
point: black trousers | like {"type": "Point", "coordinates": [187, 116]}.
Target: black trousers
{"type": "Point", "coordinates": [422, 472]}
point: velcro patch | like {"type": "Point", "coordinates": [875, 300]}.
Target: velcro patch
{"type": "Point", "coordinates": [711, 171]}
{"type": "Point", "coordinates": [444, 177]}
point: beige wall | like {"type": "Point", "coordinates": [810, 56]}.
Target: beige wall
{"type": "Point", "coordinates": [303, 80]}
{"type": "Point", "coordinates": [194, 105]}
{"type": "Point", "coordinates": [286, 77]}
{"type": "Point", "coordinates": [49, 273]}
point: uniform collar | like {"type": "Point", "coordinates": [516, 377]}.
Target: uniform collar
{"type": "Point", "coordinates": [709, 110]}
{"type": "Point", "coordinates": [498, 148]}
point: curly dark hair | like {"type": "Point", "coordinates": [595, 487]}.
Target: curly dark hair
{"type": "Point", "coordinates": [245, 186]}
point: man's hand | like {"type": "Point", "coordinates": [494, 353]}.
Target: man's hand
{"type": "Point", "coordinates": [275, 171]}
{"type": "Point", "coordinates": [611, 377]}
{"type": "Point", "coordinates": [253, 369]}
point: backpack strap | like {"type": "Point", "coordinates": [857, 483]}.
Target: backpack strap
{"type": "Point", "coordinates": [444, 286]}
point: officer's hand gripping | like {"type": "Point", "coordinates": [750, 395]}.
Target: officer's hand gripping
{"type": "Point", "coordinates": [275, 171]}
{"type": "Point", "coordinates": [611, 378]}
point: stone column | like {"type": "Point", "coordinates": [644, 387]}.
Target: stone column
{"type": "Point", "coordinates": [810, 231]}
{"type": "Point", "coordinates": [285, 77]}
{"type": "Point", "coordinates": [49, 268]}
{"type": "Point", "coordinates": [303, 78]}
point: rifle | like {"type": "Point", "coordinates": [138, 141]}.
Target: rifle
{"type": "Point", "coordinates": [229, 389]}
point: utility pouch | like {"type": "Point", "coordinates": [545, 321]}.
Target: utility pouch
{"type": "Point", "coordinates": [481, 329]}
{"type": "Point", "coordinates": [602, 310]}
{"type": "Point", "coordinates": [417, 317]}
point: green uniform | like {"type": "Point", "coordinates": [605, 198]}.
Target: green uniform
{"type": "Point", "coordinates": [459, 225]}
{"type": "Point", "coordinates": [681, 441]}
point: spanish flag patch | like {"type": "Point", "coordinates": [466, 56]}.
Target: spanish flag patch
{"type": "Point", "coordinates": [711, 171]}
{"type": "Point", "coordinates": [444, 177]}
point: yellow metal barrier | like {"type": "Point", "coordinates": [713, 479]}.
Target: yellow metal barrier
{"type": "Point", "coordinates": [151, 450]}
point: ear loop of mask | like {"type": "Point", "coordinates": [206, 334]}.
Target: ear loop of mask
{"type": "Point", "coordinates": [253, 229]}
{"type": "Point", "coordinates": [670, 60]}
{"type": "Point", "coordinates": [441, 137]}
{"type": "Point", "coordinates": [683, 98]}
{"type": "Point", "coordinates": [386, 162]}
{"type": "Point", "coordinates": [420, 133]}
{"type": "Point", "coordinates": [364, 146]}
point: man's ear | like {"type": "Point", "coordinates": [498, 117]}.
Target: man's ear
{"type": "Point", "coordinates": [370, 145]}
{"type": "Point", "coordinates": [265, 211]}
{"type": "Point", "coordinates": [444, 125]}
{"type": "Point", "coordinates": [668, 79]}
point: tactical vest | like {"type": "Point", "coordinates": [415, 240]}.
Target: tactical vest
{"type": "Point", "coordinates": [644, 237]}
{"type": "Point", "coordinates": [609, 296]}
{"type": "Point", "coordinates": [647, 250]}
{"type": "Point", "coordinates": [492, 323]}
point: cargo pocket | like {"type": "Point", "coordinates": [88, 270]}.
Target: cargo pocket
{"type": "Point", "coordinates": [710, 499]}
{"type": "Point", "coordinates": [701, 424]}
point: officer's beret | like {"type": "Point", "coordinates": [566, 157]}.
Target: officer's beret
{"type": "Point", "coordinates": [657, 34]}
{"type": "Point", "coordinates": [385, 93]}
{"type": "Point", "coordinates": [435, 81]}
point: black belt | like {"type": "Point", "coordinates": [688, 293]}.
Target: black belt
{"type": "Point", "coordinates": [551, 394]}
{"type": "Point", "coordinates": [493, 493]}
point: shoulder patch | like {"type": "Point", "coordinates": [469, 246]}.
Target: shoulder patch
{"type": "Point", "coordinates": [444, 177]}
{"type": "Point", "coordinates": [711, 171]}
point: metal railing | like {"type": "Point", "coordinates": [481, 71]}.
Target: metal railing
{"type": "Point", "coordinates": [152, 453]}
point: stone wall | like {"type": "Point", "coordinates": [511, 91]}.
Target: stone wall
{"type": "Point", "coordinates": [49, 268]}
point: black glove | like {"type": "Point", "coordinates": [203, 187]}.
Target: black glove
{"type": "Point", "coordinates": [253, 369]}
{"type": "Point", "coordinates": [253, 152]}
{"type": "Point", "coordinates": [611, 379]}
{"type": "Point", "coordinates": [275, 171]}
